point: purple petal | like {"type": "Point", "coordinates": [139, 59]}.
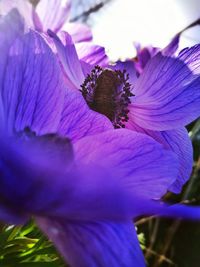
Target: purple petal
{"type": "Point", "coordinates": [141, 164]}
{"type": "Point", "coordinates": [32, 86]}
{"type": "Point", "coordinates": [143, 56]}
{"type": "Point", "coordinates": [95, 243]}
{"type": "Point", "coordinates": [129, 66]}
{"type": "Point", "coordinates": [87, 68]}
{"type": "Point", "coordinates": [25, 9]}
{"type": "Point", "coordinates": [39, 177]}
{"type": "Point", "coordinates": [78, 121]}
{"type": "Point", "coordinates": [172, 47]}
{"type": "Point", "coordinates": [105, 243]}
{"type": "Point", "coordinates": [69, 59]}
{"type": "Point", "coordinates": [167, 95]}
{"type": "Point", "coordinates": [92, 54]}
{"type": "Point", "coordinates": [33, 170]}
{"type": "Point", "coordinates": [169, 211]}
{"type": "Point", "coordinates": [79, 32]}
{"type": "Point", "coordinates": [10, 216]}
{"type": "Point", "coordinates": [11, 27]}
{"type": "Point", "coordinates": [53, 13]}
{"type": "Point", "coordinates": [179, 142]}
{"type": "Point", "coordinates": [191, 56]}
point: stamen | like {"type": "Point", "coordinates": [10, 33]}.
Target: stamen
{"type": "Point", "coordinates": [108, 92]}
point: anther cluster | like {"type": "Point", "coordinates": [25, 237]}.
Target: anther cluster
{"type": "Point", "coordinates": [108, 92]}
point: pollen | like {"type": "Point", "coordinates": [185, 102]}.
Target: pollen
{"type": "Point", "coordinates": [108, 92]}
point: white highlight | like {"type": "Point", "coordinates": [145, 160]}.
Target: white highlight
{"type": "Point", "coordinates": [124, 22]}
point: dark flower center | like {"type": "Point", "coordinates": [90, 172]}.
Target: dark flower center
{"type": "Point", "coordinates": [108, 92]}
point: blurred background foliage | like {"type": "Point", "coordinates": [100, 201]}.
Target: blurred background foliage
{"type": "Point", "coordinates": [165, 242]}
{"type": "Point", "coordinates": [25, 246]}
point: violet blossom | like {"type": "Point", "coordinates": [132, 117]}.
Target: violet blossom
{"type": "Point", "coordinates": [160, 102]}
{"type": "Point", "coordinates": [67, 166]}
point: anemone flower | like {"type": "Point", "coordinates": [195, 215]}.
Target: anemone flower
{"type": "Point", "coordinates": [64, 164]}
{"type": "Point", "coordinates": [164, 98]}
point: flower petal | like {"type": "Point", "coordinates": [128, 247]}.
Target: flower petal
{"type": "Point", "coordinates": [129, 66]}
{"type": "Point", "coordinates": [11, 216]}
{"type": "Point", "coordinates": [95, 243]}
{"type": "Point", "coordinates": [40, 177]}
{"type": "Point", "coordinates": [78, 121]}
{"type": "Point", "coordinates": [79, 32]}
{"type": "Point", "coordinates": [25, 9]}
{"type": "Point", "coordinates": [53, 13]}
{"type": "Point", "coordinates": [68, 57]}
{"type": "Point", "coordinates": [191, 56]}
{"type": "Point", "coordinates": [172, 47]}
{"type": "Point", "coordinates": [167, 95]}
{"type": "Point", "coordinates": [29, 164]}
{"type": "Point", "coordinates": [92, 54]}
{"type": "Point", "coordinates": [11, 27]}
{"type": "Point", "coordinates": [32, 87]}
{"type": "Point", "coordinates": [141, 164]}
{"type": "Point", "coordinates": [143, 56]}
{"type": "Point", "coordinates": [177, 141]}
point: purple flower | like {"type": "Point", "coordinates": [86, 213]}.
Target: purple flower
{"type": "Point", "coordinates": [66, 165]}
{"type": "Point", "coordinates": [159, 103]}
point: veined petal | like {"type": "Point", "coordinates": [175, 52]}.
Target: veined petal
{"type": "Point", "coordinates": [129, 66]}
{"type": "Point", "coordinates": [79, 32]}
{"type": "Point", "coordinates": [103, 178]}
{"type": "Point", "coordinates": [78, 121]}
{"type": "Point", "coordinates": [32, 87]}
{"type": "Point", "coordinates": [41, 177]}
{"type": "Point", "coordinates": [86, 67]}
{"type": "Point", "coordinates": [191, 56]}
{"type": "Point", "coordinates": [53, 13]}
{"type": "Point", "coordinates": [95, 243]}
{"type": "Point", "coordinates": [24, 8]}
{"type": "Point", "coordinates": [68, 57]}
{"type": "Point", "coordinates": [178, 141]}
{"type": "Point", "coordinates": [167, 95]}
{"type": "Point", "coordinates": [92, 54]}
{"type": "Point", "coordinates": [172, 47]}
{"type": "Point", "coordinates": [143, 57]}
{"type": "Point", "coordinates": [11, 27]}
{"type": "Point", "coordinates": [141, 164]}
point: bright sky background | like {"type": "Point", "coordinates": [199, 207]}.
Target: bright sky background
{"type": "Point", "coordinates": [146, 21]}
